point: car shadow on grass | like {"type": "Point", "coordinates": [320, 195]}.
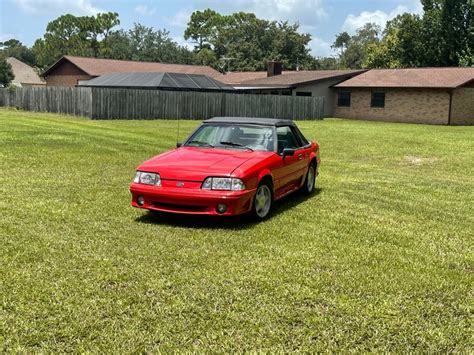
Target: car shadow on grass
{"type": "Point", "coordinates": [216, 222]}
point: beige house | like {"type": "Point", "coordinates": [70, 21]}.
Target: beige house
{"type": "Point", "coordinates": [423, 95]}
{"type": "Point", "coordinates": [315, 83]}
{"type": "Point", "coordinates": [25, 76]}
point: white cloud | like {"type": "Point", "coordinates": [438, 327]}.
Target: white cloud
{"type": "Point", "coordinates": [144, 10]}
{"type": "Point", "coordinates": [75, 7]}
{"type": "Point", "coordinates": [320, 48]}
{"type": "Point", "coordinates": [306, 12]}
{"type": "Point", "coordinates": [353, 22]}
{"type": "Point", "coordinates": [181, 18]}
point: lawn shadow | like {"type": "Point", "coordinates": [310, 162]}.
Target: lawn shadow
{"type": "Point", "coordinates": [216, 222]}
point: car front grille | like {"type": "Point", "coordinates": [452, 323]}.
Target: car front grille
{"type": "Point", "coordinates": [176, 207]}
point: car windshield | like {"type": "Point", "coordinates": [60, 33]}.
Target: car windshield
{"type": "Point", "coordinates": [233, 137]}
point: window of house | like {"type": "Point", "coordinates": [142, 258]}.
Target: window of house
{"type": "Point", "coordinates": [344, 99]}
{"type": "Point", "coordinates": [303, 93]}
{"type": "Point", "coordinates": [378, 99]}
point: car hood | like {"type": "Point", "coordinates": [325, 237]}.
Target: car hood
{"type": "Point", "coordinates": [195, 164]}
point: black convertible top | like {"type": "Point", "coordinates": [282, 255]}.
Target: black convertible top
{"type": "Point", "coordinates": [251, 120]}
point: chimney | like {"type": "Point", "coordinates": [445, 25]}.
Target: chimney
{"type": "Point", "coordinates": [273, 68]}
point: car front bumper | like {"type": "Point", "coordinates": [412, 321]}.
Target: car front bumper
{"type": "Point", "coordinates": [190, 200]}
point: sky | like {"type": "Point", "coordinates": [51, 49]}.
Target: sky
{"type": "Point", "coordinates": [26, 20]}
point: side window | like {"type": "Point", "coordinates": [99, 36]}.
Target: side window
{"type": "Point", "coordinates": [286, 138]}
{"type": "Point", "coordinates": [344, 99]}
{"type": "Point", "coordinates": [304, 93]}
{"type": "Point", "coordinates": [301, 139]}
{"type": "Point", "coordinates": [378, 100]}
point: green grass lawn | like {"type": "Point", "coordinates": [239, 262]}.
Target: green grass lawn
{"type": "Point", "coordinates": [380, 258]}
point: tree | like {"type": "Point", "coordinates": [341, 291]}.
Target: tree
{"type": "Point", "coordinates": [442, 36]}
{"type": "Point", "coordinates": [202, 28]}
{"type": "Point", "coordinates": [401, 45]}
{"type": "Point", "coordinates": [356, 52]}
{"type": "Point", "coordinates": [206, 56]}
{"type": "Point", "coordinates": [69, 34]}
{"type": "Point", "coordinates": [341, 42]}
{"type": "Point", "coordinates": [147, 44]}
{"type": "Point", "coordinates": [245, 42]}
{"type": "Point", "coordinates": [456, 21]}
{"type": "Point", "coordinates": [105, 23]}
{"type": "Point", "coordinates": [14, 48]}
{"type": "Point", "coordinates": [6, 72]}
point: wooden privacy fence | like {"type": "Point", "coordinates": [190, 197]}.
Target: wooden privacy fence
{"type": "Point", "coordinates": [70, 100]}
{"type": "Point", "coordinates": [105, 103]}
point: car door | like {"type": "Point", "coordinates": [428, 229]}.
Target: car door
{"type": "Point", "coordinates": [289, 170]}
{"type": "Point", "coordinates": [303, 153]}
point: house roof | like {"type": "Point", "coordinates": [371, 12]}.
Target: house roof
{"type": "Point", "coordinates": [156, 80]}
{"type": "Point", "coordinates": [411, 78]}
{"type": "Point", "coordinates": [24, 74]}
{"type": "Point", "coordinates": [292, 78]}
{"type": "Point", "coordinates": [238, 77]}
{"type": "Point", "coordinates": [99, 66]}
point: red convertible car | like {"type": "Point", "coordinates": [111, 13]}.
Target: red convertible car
{"type": "Point", "coordinates": [229, 166]}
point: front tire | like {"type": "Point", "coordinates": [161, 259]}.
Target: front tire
{"type": "Point", "coordinates": [263, 201]}
{"type": "Point", "coordinates": [310, 181]}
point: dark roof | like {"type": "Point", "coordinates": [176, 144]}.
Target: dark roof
{"type": "Point", "coordinates": [252, 121]}
{"type": "Point", "coordinates": [411, 78]}
{"type": "Point", "coordinates": [293, 78]}
{"type": "Point", "coordinates": [156, 80]}
{"type": "Point", "coordinates": [99, 66]}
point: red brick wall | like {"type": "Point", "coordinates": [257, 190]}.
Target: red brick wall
{"type": "Point", "coordinates": [65, 80]}
{"type": "Point", "coordinates": [65, 74]}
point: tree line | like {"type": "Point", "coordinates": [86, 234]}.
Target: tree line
{"type": "Point", "coordinates": [442, 36]}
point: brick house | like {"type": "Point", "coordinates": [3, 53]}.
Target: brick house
{"type": "Point", "coordinates": [68, 70]}
{"type": "Point", "coordinates": [423, 95]}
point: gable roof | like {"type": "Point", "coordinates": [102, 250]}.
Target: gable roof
{"type": "Point", "coordinates": [24, 74]}
{"type": "Point", "coordinates": [292, 78]}
{"type": "Point", "coordinates": [156, 80]}
{"type": "Point", "coordinates": [99, 66]}
{"type": "Point", "coordinates": [411, 78]}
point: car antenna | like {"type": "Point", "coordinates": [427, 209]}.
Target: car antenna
{"type": "Point", "coordinates": [177, 134]}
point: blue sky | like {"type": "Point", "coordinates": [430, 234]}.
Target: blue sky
{"type": "Point", "coordinates": [26, 20]}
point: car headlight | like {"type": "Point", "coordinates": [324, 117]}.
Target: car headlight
{"type": "Point", "coordinates": [222, 183]}
{"type": "Point", "coordinates": [142, 177]}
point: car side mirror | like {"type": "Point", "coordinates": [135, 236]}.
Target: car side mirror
{"type": "Point", "coordinates": [288, 152]}
{"type": "Point", "coordinates": [178, 144]}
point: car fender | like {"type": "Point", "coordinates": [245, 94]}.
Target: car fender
{"type": "Point", "coordinates": [263, 173]}
{"type": "Point", "coordinates": [315, 153]}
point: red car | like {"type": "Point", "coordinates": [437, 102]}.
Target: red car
{"type": "Point", "coordinates": [229, 166]}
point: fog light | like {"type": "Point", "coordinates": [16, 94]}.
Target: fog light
{"type": "Point", "coordinates": [140, 200]}
{"type": "Point", "coordinates": [221, 208]}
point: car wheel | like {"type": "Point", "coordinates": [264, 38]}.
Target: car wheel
{"type": "Point", "coordinates": [310, 181]}
{"type": "Point", "coordinates": [263, 201]}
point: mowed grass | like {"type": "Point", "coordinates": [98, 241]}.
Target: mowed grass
{"type": "Point", "coordinates": [379, 259]}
